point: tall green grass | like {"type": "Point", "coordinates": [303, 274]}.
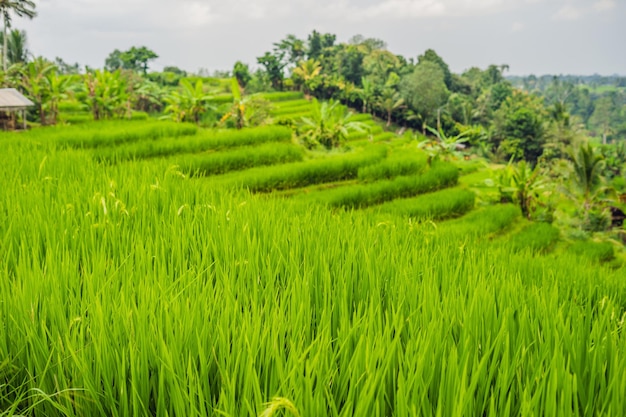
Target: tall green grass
{"type": "Point", "coordinates": [334, 168]}
{"type": "Point", "coordinates": [282, 96]}
{"type": "Point", "coordinates": [441, 175]}
{"type": "Point", "coordinates": [444, 204]}
{"type": "Point", "coordinates": [535, 237]}
{"type": "Point", "coordinates": [105, 133]}
{"type": "Point", "coordinates": [241, 158]}
{"type": "Point", "coordinates": [205, 140]}
{"type": "Point", "coordinates": [485, 221]}
{"type": "Point", "coordinates": [393, 166]}
{"type": "Point", "coordinates": [133, 290]}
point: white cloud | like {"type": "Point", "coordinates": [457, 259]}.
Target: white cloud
{"type": "Point", "coordinates": [603, 5]}
{"type": "Point", "coordinates": [568, 13]}
{"type": "Point", "coordinates": [517, 27]}
{"type": "Point", "coordinates": [404, 9]}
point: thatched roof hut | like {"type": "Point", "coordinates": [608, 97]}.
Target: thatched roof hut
{"type": "Point", "coordinates": [12, 100]}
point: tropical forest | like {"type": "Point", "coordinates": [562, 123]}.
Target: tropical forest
{"type": "Point", "coordinates": [332, 230]}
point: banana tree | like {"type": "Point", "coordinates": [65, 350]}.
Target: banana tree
{"type": "Point", "coordinates": [188, 103]}
{"type": "Point", "coordinates": [35, 82]}
{"type": "Point", "coordinates": [105, 94]}
{"type": "Point", "coordinates": [329, 125]}
{"type": "Point", "coordinates": [246, 110]}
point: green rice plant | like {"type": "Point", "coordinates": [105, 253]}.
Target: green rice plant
{"type": "Point", "coordinates": [363, 195]}
{"type": "Point", "coordinates": [367, 133]}
{"type": "Point", "coordinates": [600, 252]}
{"type": "Point", "coordinates": [393, 166]}
{"type": "Point", "coordinates": [221, 99]}
{"type": "Point", "coordinates": [444, 204]}
{"type": "Point", "coordinates": [362, 117]}
{"type": "Point", "coordinates": [70, 107]}
{"type": "Point", "coordinates": [75, 118]}
{"type": "Point", "coordinates": [241, 158]}
{"type": "Point", "coordinates": [292, 111]}
{"type": "Point", "coordinates": [487, 220]}
{"type": "Point", "coordinates": [205, 140]}
{"type": "Point", "coordinates": [99, 134]}
{"type": "Point", "coordinates": [135, 290]}
{"type": "Point", "coordinates": [282, 96]}
{"type": "Point", "coordinates": [333, 168]}
{"type": "Point", "coordinates": [291, 103]}
{"type": "Point", "coordinates": [139, 115]}
{"type": "Point", "coordinates": [385, 136]}
{"type": "Point", "coordinates": [535, 237]}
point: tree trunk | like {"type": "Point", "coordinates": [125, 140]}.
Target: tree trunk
{"type": "Point", "coordinates": [4, 48]}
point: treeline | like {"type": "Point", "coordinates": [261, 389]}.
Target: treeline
{"type": "Point", "coordinates": [503, 120]}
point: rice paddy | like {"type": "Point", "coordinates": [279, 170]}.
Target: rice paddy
{"type": "Point", "coordinates": [157, 269]}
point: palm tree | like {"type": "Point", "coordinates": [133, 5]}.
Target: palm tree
{"type": "Point", "coordinates": [17, 52]}
{"type": "Point", "coordinates": [367, 93]}
{"type": "Point", "coordinates": [587, 166]}
{"type": "Point", "coordinates": [389, 101]}
{"type": "Point", "coordinates": [308, 72]}
{"type": "Point", "coordinates": [22, 8]}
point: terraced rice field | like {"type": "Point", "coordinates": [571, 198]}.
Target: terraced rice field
{"type": "Point", "coordinates": [156, 269]}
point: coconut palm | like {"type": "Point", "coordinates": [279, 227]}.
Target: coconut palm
{"type": "Point", "coordinates": [22, 8]}
{"type": "Point", "coordinates": [388, 102]}
{"type": "Point", "coordinates": [17, 51]}
{"type": "Point", "coordinates": [308, 73]}
{"type": "Point", "coordinates": [587, 167]}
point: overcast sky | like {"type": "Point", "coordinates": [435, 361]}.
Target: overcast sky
{"type": "Point", "coordinates": [531, 36]}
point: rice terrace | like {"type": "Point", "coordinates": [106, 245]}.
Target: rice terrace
{"type": "Point", "coordinates": [341, 231]}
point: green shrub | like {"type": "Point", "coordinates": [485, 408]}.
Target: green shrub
{"type": "Point", "coordinates": [452, 202]}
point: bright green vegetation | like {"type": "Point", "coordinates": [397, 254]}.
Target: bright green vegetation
{"type": "Point", "coordinates": [364, 195]}
{"type": "Point", "coordinates": [203, 141]}
{"type": "Point", "coordinates": [239, 159]}
{"type": "Point", "coordinates": [131, 289]}
{"type": "Point", "coordinates": [326, 169]}
{"type": "Point", "coordinates": [451, 202]}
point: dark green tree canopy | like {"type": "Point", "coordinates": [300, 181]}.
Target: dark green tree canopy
{"type": "Point", "coordinates": [135, 59]}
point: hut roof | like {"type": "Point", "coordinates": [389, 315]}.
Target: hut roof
{"type": "Point", "coordinates": [11, 99]}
